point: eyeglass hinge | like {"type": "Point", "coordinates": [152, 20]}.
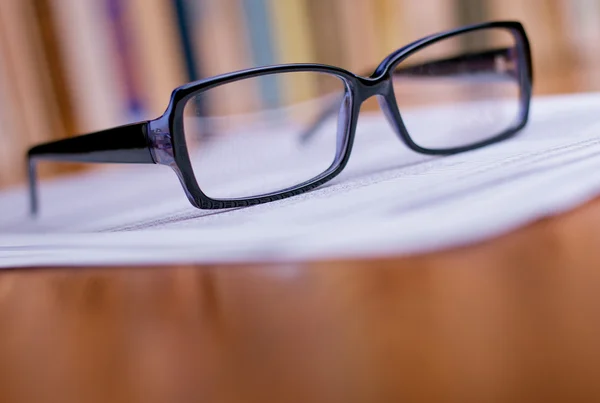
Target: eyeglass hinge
{"type": "Point", "coordinates": [159, 139]}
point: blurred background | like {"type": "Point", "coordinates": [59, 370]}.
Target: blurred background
{"type": "Point", "coordinates": [74, 66]}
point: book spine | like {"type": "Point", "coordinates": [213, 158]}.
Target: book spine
{"type": "Point", "coordinates": [223, 47]}
{"type": "Point", "coordinates": [185, 13]}
{"type": "Point", "coordinates": [544, 22]}
{"type": "Point", "coordinates": [392, 28]}
{"type": "Point", "coordinates": [10, 120]}
{"type": "Point", "coordinates": [261, 42]}
{"type": "Point", "coordinates": [425, 17]}
{"type": "Point", "coordinates": [56, 67]}
{"type": "Point", "coordinates": [581, 59]}
{"type": "Point", "coordinates": [118, 30]}
{"type": "Point", "coordinates": [93, 77]}
{"type": "Point", "coordinates": [581, 22]}
{"type": "Point", "coordinates": [293, 43]}
{"type": "Point", "coordinates": [360, 40]}
{"type": "Point", "coordinates": [327, 34]}
{"type": "Point", "coordinates": [156, 46]}
{"type": "Point", "coordinates": [27, 79]}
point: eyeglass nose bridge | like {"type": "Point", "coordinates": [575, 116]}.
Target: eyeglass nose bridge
{"type": "Point", "coordinates": [368, 87]}
{"type": "Point", "coordinates": [383, 88]}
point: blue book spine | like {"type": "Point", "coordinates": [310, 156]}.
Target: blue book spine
{"type": "Point", "coordinates": [187, 16]}
{"type": "Point", "coordinates": [262, 46]}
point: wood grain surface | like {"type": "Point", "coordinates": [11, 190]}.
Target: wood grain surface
{"type": "Point", "coordinates": [516, 319]}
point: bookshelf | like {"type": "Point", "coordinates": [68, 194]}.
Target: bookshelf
{"type": "Point", "coordinates": [73, 66]}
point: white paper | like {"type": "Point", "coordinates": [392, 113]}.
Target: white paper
{"type": "Point", "coordinates": [388, 201]}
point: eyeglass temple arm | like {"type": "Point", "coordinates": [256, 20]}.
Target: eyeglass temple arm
{"type": "Point", "coordinates": [495, 61]}
{"type": "Point", "coordinates": [124, 144]}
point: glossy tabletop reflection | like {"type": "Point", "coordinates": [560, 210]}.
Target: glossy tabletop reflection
{"type": "Point", "coordinates": [514, 319]}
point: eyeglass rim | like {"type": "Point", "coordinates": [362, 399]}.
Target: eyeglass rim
{"type": "Point", "coordinates": [525, 83]}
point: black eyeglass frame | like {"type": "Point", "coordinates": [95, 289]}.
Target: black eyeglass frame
{"type": "Point", "coordinates": [162, 141]}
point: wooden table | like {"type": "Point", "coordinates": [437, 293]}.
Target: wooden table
{"type": "Point", "coordinates": [516, 319]}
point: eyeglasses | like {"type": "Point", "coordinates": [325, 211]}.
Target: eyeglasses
{"type": "Point", "coordinates": [268, 133]}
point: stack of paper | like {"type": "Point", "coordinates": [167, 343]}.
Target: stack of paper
{"type": "Point", "coordinates": [389, 200]}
